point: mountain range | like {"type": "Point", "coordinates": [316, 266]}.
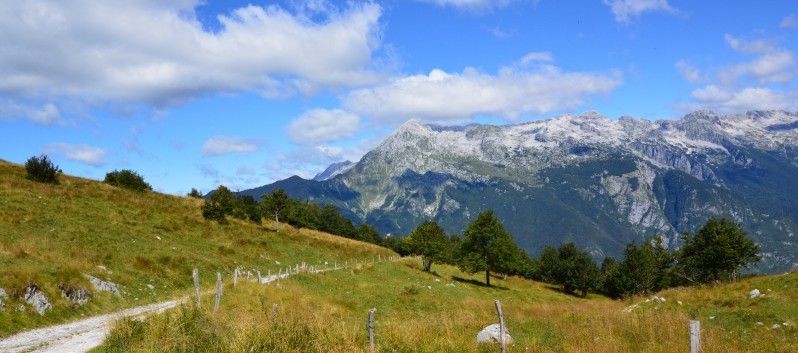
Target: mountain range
{"type": "Point", "coordinates": [598, 182]}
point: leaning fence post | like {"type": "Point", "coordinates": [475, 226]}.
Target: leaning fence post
{"type": "Point", "coordinates": [195, 275]}
{"type": "Point", "coordinates": [259, 278]}
{"type": "Point", "coordinates": [695, 336]}
{"type": "Point", "coordinates": [218, 292]}
{"type": "Point", "coordinates": [502, 329]}
{"type": "Point", "coordinates": [371, 328]}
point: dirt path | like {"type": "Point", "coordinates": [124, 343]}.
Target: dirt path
{"type": "Point", "coordinates": [73, 337]}
{"type": "Point", "coordinates": [81, 336]}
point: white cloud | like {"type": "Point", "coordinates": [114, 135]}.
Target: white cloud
{"type": "Point", "coordinates": [442, 97]}
{"type": "Point", "coordinates": [319, 126]}
{"type": "Point", "coordinates": [771, 65]}
{"type": "Point", "coordinates": [93, 156]}
{"type": "Point", "coordinates": [219, 145]}
{"type": "Point", "coordinates": [756, 46]}
{"type": "Point", "coordinates": [689, 72]}
{"type": "Point", "coordinates": [157, 53]}
{"type": "Point", "coordinates": [47, 114]}
{"type": "Point", "coordinates": [471, 5]}
{"type": "Point", "coordinates": [750, 98]}
{"type": "Point", "coordinates": [791, 21]}
{"type": "Point", "coordinates": [763, 82]}
{"type": "Point", "coordinates": [543, 56]}
{"type": "Point", "coordinates": [626, 11]}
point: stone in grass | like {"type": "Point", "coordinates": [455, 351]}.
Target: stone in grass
{"type": "Point", "coordinates": [3, 295]}
{"type": "Point", "coordinates": [103, 286]}
{"type": "Point", "coordinates": [77, 295]}
{"type": "Point", "coordinates": [36, 298]}
{"type": "Point", "coordinates": [754, 293]}
{"type": "Point", "coordinates": [492, 333]}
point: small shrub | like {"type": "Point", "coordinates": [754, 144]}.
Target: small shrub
{"type": "Point", "coordinates": [127, 179]}
{"type": "Point", "coordinates": [42, 169]}
{"type": "Point", "coordinates": [195, 193]}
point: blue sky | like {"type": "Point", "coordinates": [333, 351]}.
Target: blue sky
{"type": "Point", "coordinates": [243, 93]}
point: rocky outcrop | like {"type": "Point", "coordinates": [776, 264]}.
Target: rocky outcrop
{"type": "Point", "coordinates": [79, 296]}
{"type": "Point", "coordinates": [37, 299]}
{"type": "Point", "coordinates": [103, 286]}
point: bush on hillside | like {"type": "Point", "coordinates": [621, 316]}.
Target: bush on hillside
{"type": "Point", "coordinates": [194, 193]}
{"type": "Point", "coordinates": [127, 179]}
{"type": "Point", "coordinates": [42, 169]}
{"type": "Point", "coordinates": [220, 204]}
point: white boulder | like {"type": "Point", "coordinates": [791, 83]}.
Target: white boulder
{"type": "Point", "coordinates": [492, 333]}
{"type": "Point", "coordinates": [754, 293]}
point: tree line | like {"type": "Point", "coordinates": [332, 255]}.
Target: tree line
{"type": "Point", "coordinates": [718, 251]}
{"type": "Point", "coordinates": [279, 206]}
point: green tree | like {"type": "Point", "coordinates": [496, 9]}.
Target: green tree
{"type": "Point", "coordinates": [194, 193]}
{"type": "Point", "coordinates": [487, 246]}
{"type": "Point", "coordinates": [368, 234]}
{"type": "Point", "coordinates": [645, 267]}
{"type": "Point", "coordinates": [716, 252]}
{"type": "Point", "coordinates": [127, 179]}
{"type": "Point", "coordinates": [429, 241]}
{"type": "Point", "coordinates": [42, 169]}
{"type": "Point", "coordinates": [219, 205]}
{"type": "Point", "coordinates": [570, 267]}
{"type": "Point", "coordinates": [275, 203]}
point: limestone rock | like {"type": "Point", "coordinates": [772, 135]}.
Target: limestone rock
{"type": "Point", "coordinates": [754, 293]}
{"type": "Point", "coordinates": [104, 286]}
{"type": "Point", "coordinates": [77, 295]}
{"type": "Point", "coordinates": [36, 298]}
{"type": "Point", "coordinates": [491, 333]}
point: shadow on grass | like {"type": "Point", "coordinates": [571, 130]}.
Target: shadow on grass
{"type": "Point", "coordinates": [477, 283]}
{"type": "Point", "coordinates": [558, 289]}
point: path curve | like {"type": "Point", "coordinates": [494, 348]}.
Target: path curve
{"type": "Point", "coordinates": [79, 336]}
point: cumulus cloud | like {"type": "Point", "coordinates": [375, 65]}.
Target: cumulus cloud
{"type": "Point", "coordinates": [158, 53]}
{"type": "Point", "coordinates": [319, 126]}
{"type": "Point", "coordinates": [93, 156]}
{"type": "Point", "coordinates": [791, 21]}
{"type": "Point", "coordinates": [626, 11]}
{"type": "Point", "coordinates": [219, 145]}
{"type": "Point", "coordinates": [442, 97]}
{"type": "Point", "coordinates": [761, 82]}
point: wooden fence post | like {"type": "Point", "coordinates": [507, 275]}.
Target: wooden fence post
{"type": "Point", "coordinates": [195, 275]}
{"type": "Point", "coordinates": [218, 292]}
{"type": "Point", "coordinates": [371, 328]}
{"type": "Point", "coordinates": [269, 278]}
{"type": "Point", "coordinates": [259, 278]}
{"type": "Point", "coordinates": [502, 329]}
{"type": "Point", "coordinates": [695, 336]}
{"type": "Point", "coordinates": [235, 278]}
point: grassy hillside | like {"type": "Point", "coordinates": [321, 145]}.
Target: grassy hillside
{"type": "Point", "coordinates": [53, 234]}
